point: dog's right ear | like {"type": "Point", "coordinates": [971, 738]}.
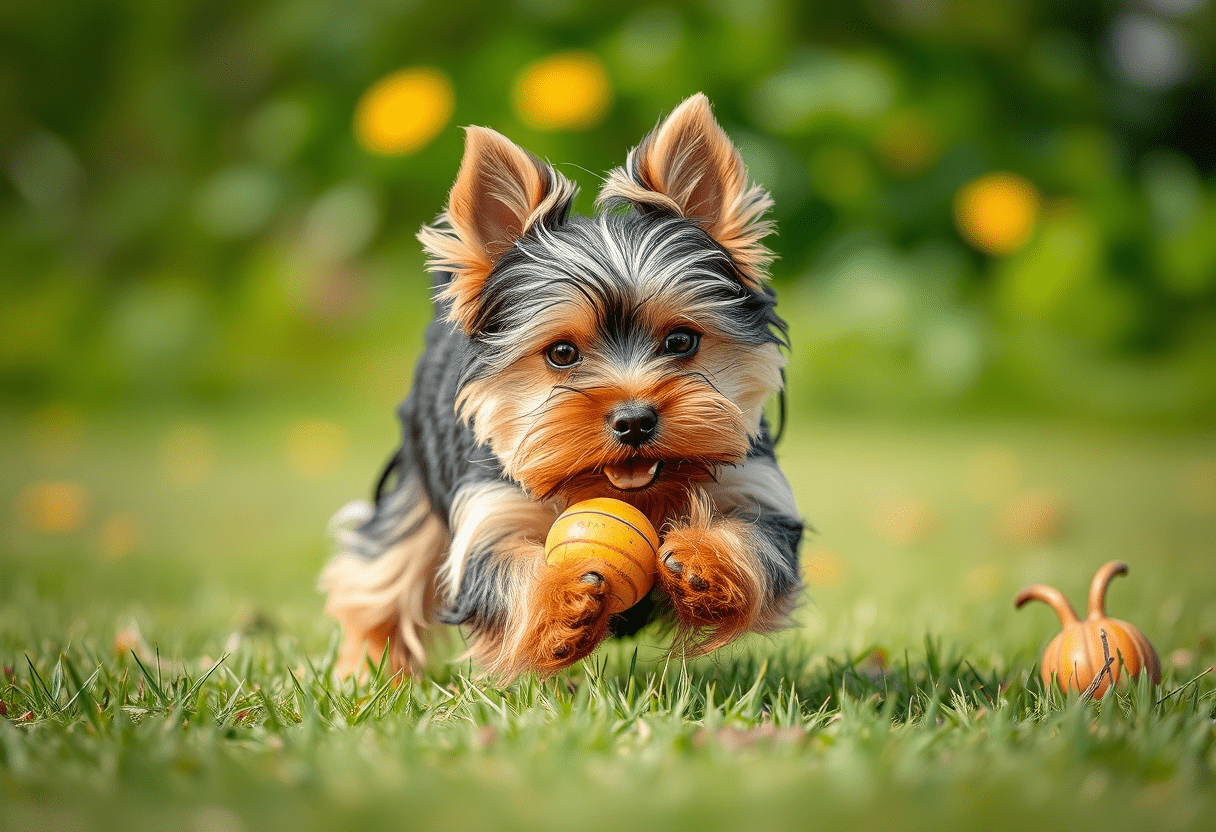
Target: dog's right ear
{"type": "Point", "coordinates": [501, 191]}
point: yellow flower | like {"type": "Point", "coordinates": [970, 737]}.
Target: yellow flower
{"type": "Point", "coordinates": [54, 507]}
{"type": "Point", "coordinates": [997, 212]}
{"type": "Point", "coordinates": [565, 91]}
{"type": "Point", "coordinates": [403, 111]}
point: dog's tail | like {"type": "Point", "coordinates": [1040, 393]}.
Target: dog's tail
{"type": "Point", "coordinates": [381, 582]}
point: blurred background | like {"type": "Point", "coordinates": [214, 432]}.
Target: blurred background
{"type": "Point", "coordinates": [997, 207]}
{"type": "Point", "coordinates": [989, 213]}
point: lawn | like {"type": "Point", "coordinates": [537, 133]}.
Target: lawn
{"type": "Point", "coordinates": [166, 661]}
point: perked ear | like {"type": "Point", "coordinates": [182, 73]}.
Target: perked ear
{"type": "Point", "coordinates": [500, 192]}
{"type": "Point", "coordinates": [688, 167]}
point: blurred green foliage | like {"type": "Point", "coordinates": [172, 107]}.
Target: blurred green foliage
{"type": "Point", "coordinates": [185, 212]}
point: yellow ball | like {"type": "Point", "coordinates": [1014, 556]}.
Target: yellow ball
{"type": "Point", "coordinates": [615, 539]}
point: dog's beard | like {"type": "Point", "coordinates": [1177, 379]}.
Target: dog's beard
{"type": "Point", "coordinates": [561, 448]}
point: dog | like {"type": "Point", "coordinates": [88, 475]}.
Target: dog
{"type": "Point", "coordinates": [628, 354]}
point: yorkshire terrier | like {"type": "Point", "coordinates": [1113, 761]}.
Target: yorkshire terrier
{"type": "Point", "coordinates": [628, 354]}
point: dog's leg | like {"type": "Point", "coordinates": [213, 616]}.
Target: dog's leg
{"type": "Point", "coordinates": [521, 614]}
{"type": "Point", "coordinates": [381, 583]}
{"type": "Point", "coordinates": [570, 617]}
{"type": "Point", "coordinates": [731, 566]}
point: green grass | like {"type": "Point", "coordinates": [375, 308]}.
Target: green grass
{"type": "Point", "coordinates": [178, 677]}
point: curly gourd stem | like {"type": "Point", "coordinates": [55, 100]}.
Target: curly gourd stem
{"type": "Point", "coordinates": [1050, 596]}
{"type": "Point", "coordinates": [1097, 590]}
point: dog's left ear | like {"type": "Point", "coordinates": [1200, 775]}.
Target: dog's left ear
{"type": "Point", "coordinates": [500, 192]}
{"type": "Point", "coordinates": [688, 167]}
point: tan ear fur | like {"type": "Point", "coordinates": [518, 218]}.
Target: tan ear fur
{"type": "Point", "coordinates": [499, 193]}
{"type": "Point", "coordinates": [688, 166]}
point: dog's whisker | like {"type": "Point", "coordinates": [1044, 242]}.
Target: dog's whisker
{"type": "Point", "coordinates": [567, 389]}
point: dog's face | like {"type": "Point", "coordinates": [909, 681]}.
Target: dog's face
{"type": "Point", "coordinates": [626, 355]}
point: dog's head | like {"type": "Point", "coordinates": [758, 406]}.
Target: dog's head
{"type": "Point", "coordinates": [627, 354]}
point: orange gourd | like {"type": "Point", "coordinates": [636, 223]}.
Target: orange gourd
{"type": "Point", "coordinates": [615, 539]}
{"type": "Point", "coordinates": [1090, 655]}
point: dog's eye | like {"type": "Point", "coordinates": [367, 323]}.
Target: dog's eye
{"type": "Point", "coordinates": [681, 341]}
{"type": "Point", "coordinates": [562, 354]}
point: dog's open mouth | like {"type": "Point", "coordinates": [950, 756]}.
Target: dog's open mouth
{"type": "Point", "coordinates": [633, 473]}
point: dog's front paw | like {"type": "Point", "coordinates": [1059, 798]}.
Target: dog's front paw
{"type": "Point", "coordinates": [710, 576]}
{"type": "Point", "coordinates": [570, 617]}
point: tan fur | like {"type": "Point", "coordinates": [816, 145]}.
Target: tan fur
{"type": "Point", "coordinates": [480, 514]}
{"type": "Point", "coordinates": [388, 599]}
{"type": "Point", "coordinates": [746, 375]}
{"type": "Point", "coordinates": [500, 191]}
{"type": "Point", "coordinates": [695, 424]}
{"type": "Point", "coordinates": [689, 167]}
{"type": "Point", "coordinates": [718, 588]}
{"type": "Point", "coordinates": [757, 487]}
{"type": "Point", "coordinates": [500, 652]}
{"type": "Point", "coordinates": [569, 618]}
{"type": "Point", "coordinates": [545, 440]}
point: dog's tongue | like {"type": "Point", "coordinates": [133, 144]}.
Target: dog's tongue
{"type": "Point", "coordinates": [632, 473]}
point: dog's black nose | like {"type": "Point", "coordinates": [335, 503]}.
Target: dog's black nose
{"type": "Point", "coordinates": [634, 424]}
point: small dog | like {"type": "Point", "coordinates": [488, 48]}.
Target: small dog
{"type": "Point", "coordinates": [627, 355]}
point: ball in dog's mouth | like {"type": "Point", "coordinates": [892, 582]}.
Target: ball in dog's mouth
{"type": "Point", "coordinates": [632, 474]}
